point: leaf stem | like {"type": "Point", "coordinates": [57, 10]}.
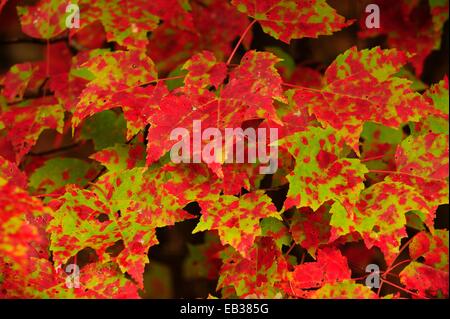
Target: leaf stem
{"type": "Point", "coordinates": [240, 41]}
{"type": "Point", "coordinates": [373, 158]}
{"type": "Point", "coordinates": [390, 267]}
{"type": "Point", "coordinates": [395, 266]}
{"type": "Point", "coordinates": [290, 248]}
{"type": "Point", "coordinates": [300, 87]}
{"type": "Point", "coordinates": [402, 289]}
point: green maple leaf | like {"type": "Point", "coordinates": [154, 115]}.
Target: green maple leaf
{"type": "Point", "coordinates": [361, 86]}
{"type": "Point", "coordinates": [236, 219]}
{"type": "Point", "coordinates": [105, 129]}
{"type": "Point", "coordinates": [44, 20]}
{"type": "Point", "coordinates": [275, 228]}
{"type": "Point", "coordinates": [40, 280]}
{"type": "Point", "coordinates": [378, 146]}
{"type": "Point", "coordinates": [320, 174]}
{"type": "Point", "coordinates": [437, 121]}
{"type": "Point", "coordinates": [379, 216]}
{"type": "Point", "coordinates": [425, 279]}
{"type": "Point", "coordinates": [17, 80]}
{"type": "Point", "coordinates": [431, 276]}
{"type": "Point", "coordinates": [125, 206]}
{"type": "Point", "coordinates": [121, 156]}
{"type": "Point", "coordinates": [291, 19]}
{"type": "Point", "coordinates": [256, 276]}
{"type": "Point", "coordinates": [422, 162]}
{"type": "Point", "coordinates": [20, 235]}
{"type": "Point", "coordinates": [58, 172]}
{"type": "Point", "coordinates": [432, 247]}
{"type": "Point", "coordinates": [344, 290]}
{"type": "Point", "coordinates": [118, 79]}
{"type": "Point", "coordinates": [26, 121]}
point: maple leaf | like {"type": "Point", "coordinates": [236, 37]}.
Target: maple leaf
{"type": "Point", "coordinates": [410, 27]}
{"type": "Point", "coordinates": [44, 20]}
{"type": "Point", "coordinates": [124, 23]}
{"type": "Point", "coordinates": [48, 72]}
{"type": "Point", "coordinates": [28, 119]}
{"type": "Point", "coordinates": [27, 280]}
{"type": "Point", "coordinates": [437, 121]}
{"type": "Point", "coordinates": [42, 281]}
{"type": "Point", "coordinates": [364, 154]}
{"type": "Point", "coordinates": [188, 182]}
{"type": "Point", "coordinates": [439, 13]}
{"type": "Point", "coordinates": [344, 290]}
{"type": "Point", "coordinates": [105, 129]}
{"type": "Point", "coordinates": [360, 86]}
{"type": "Point", "coordinates": [210, 16]}
{"type": "Point", "coordinates": [67, 84]}
{"type": "Point", "coordinates": [378, 146]}
{"type": "Point", "coordinates": [77, 224]}
{"type": "Point", "coordinates": [20, 234]}
{"type": "Point", "coordinates": [122, 207]}
{"type": "Point", "coordinates": [379, 216]}
{"type": "Point", "coordinates": [118, 80]}
{"type": "Point", "coordinates": [293, 19]}
{"type": "Point", "coordinates": [16, 81]}
{"type": "Point", "coordinates": [203, 71]}
{"type": "Point", "coordinates": [216, 24]}
{"type": "Point", "coordinates": [438, 93]}
{"type": "Point", "coordinates": [162, 122]}
{"type": "Point", "coordinates": [422, 162]}
{"type": "Point", "coordinates": [431, 276]}
{"type": "Point", "coordinates": [236, 219]}
{"type": "Point", "coordinates": [58, 172]}
{"type": "Point", "coordinates": [90, 36]}
{"type": "Point", "coordinates": [121, 156]}
{"type": "Point", "coordinates": [235, 177]}
{"type": "Point", "coordinates": [11, 173]}
{"type": "Point", "coordinates": [330, 267]}
{"type": "Point", "coordinates": [432, 247]}
{"type": "Point", "coordinates": [294, 116]}
{"type": "Point", "coordinates": [255, 83]}
{"type": "Point", "coordinates": [104, 281]}
{"type": "Point", "coordinates": [425, 279]}
{"type": "Point", "coordinates": [249, 94]}
{"type": "Point", "coordinates": [170, 46]}
{"type": "Point", "coordinates": [310, 229]}
{"type": "Point", "coordinates": [277, 230]}
{"type": "Point", "coordinates": [256, 276]}
{"type": "Point", "coordinates": [319, 173]}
